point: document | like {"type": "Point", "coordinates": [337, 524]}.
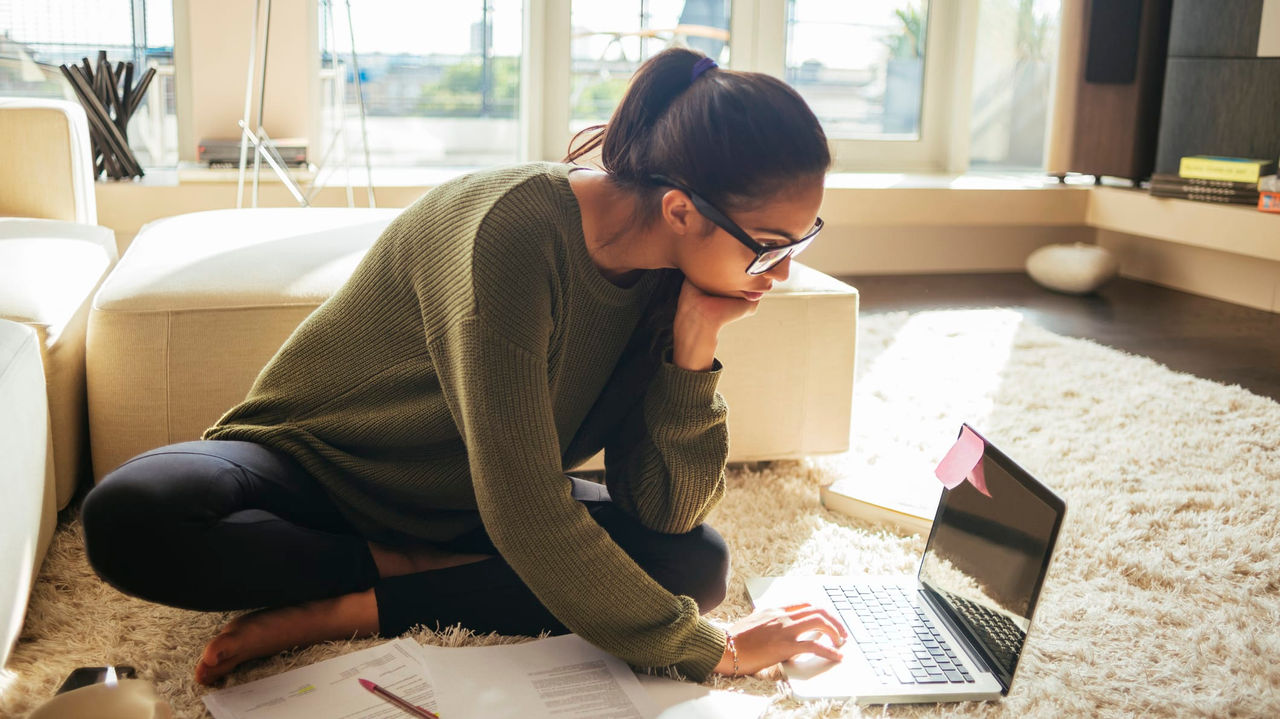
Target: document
{"type": "Point", "coordinates": [329, 688]}
{"type": "Point", "coordinates": [562, 677]}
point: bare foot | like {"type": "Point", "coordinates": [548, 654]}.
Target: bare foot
{"type": "Point", "coordinates": [397, 561]}
{"type": "Point", "coordinates": [271, 631]}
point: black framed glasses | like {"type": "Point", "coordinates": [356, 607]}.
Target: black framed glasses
{"type": "Point", "coordinates": [767, 256]}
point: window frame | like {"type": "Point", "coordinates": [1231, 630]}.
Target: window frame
{"type": "Point", "coordinates": [758, 29]}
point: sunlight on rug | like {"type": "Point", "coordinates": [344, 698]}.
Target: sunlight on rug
{"type": "Point", "coordinates": [1162, 600]}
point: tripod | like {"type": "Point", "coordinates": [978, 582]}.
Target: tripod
{"type": "Point", "coordinates": [261, 141]}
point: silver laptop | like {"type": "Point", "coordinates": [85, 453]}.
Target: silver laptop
{"type": "Point", "coordinates": [953, 632]}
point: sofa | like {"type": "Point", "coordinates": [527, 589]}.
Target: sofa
{"type": "Point", "coordinates": [26, 467]}
{"type": "Point", "coordinates": [53, 257]}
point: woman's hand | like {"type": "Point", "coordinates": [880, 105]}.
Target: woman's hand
{"type": "Point", "coordinates": [699, 318]}
{"type": "Point", "coordinates": [769, 636]}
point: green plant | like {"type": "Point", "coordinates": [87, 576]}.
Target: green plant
{"type": "Point", "coordinates": [599, 96]}
{"type": "Point", "coordinates": [1033, 33]}
{"type": "Point", "coordinates": [908, 42]}
{"type": "Point", "coordinates": [458, 92]}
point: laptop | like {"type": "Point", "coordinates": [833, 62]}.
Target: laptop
{"type": "Point", "coordinates": [954, 631]}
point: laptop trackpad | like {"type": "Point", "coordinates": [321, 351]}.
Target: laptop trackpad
{"type": "Point", "coordinates": [806, 667]}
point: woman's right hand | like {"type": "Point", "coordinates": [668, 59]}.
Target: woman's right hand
{"type": "Point", "coordinates": [773, 635]}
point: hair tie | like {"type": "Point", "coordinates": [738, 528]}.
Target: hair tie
{"type": "Point", "coordinates": [700, 67]}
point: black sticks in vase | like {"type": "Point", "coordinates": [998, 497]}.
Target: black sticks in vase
{"type": "Point", "coordinates": [109, 97]}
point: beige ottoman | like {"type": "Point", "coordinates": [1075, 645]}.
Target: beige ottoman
{"type": "Point", "coordinates": [27, 514]}
{"type": "Point", "coordinates": [199, 303]}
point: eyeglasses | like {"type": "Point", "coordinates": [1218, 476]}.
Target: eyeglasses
{"type": "Point", "coordinates": [767, 256]}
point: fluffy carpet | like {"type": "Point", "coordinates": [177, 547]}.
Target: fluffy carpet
{"type": "Point", "coordinates": [1163, 600]}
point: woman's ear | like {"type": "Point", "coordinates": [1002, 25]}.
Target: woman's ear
{"type": "Point", "coordinates": [678, 213]}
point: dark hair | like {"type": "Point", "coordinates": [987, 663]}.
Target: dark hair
{"type": "Point", "coordinates": [730, 136]}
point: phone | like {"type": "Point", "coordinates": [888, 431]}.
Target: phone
{"type": "Point", "coordinates": [84, 676]}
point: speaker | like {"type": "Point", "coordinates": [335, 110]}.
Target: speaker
{"type": "Point", "coordinates": [1117, 83]}
{"type": "Point", "coordinates": [1222, 86]}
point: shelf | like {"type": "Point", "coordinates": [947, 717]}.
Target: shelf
{"type": "Point", "coordinates": [1238, 229]}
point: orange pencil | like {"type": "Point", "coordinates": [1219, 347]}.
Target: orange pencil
{"type": "Point", "coordinates": [392, 698]}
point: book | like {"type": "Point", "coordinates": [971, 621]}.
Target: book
{"type": "Point", "coordinates": [1236, 169]}
{"type": "Point", "coordinates": [1197, 184]}
{"type": "Point", "coordinates": [906, 507]}
{"type": "Point", "coordinates": [1251, 199]}
{"type": "Point", "coordinates": [1269, 201]}
{"type": "Point", "coordinates": [1251, 194]}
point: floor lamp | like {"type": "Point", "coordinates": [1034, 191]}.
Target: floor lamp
{"type": "Point", "coordinates": [261, 142]}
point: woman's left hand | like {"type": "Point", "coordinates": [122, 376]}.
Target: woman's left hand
{"type": "Point", "coordinates": [699, 318]}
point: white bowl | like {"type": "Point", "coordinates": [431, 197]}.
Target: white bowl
{"type": "Point", "coordinates": [130, 699]}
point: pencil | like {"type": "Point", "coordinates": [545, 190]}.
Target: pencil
{"type": "Point", "coordinates": [392, 698]}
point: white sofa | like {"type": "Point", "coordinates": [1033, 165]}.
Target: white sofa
{"type": "Point", "coordinates": [52, 260]}
{"type": "Point", "coordinates": [27, 514]}
{"type": "Point", "coordinates": [200, 302]}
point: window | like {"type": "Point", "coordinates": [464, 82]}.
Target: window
{"type": "Point", "coordinates": [882, 76]}
{"type": "Point", "coordinates": [38, 37]}
{"type": "Point", "coordinates": [440, 81]}
{"type": "Point", "coordinates": [1013, 69]}
{"type": "Point", "coordinates": [611, 39]}
{"type": "Point", "coordinates": [860, 66]}
{"type": "Point", "coordinates": [899, 85]}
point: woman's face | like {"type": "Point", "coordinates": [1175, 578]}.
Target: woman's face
{"type": "Point", "coordinates": [717, 263]}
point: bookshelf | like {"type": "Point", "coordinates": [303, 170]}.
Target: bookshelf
{"type": "Point", "coordinates": [1236, 229]}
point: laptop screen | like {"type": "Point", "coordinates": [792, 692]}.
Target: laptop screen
{"type": "Point", "coordinates": [987, 556]}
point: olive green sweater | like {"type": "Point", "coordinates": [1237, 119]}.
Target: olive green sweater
{"type": "Point", "coordinates": [475, 355]}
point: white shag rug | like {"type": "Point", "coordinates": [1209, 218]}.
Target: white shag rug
{"type": "Point", "coordinates": [1163, 601]}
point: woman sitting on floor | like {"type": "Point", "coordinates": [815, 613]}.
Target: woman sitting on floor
{"type": "Point", "coordinates": [401, 459]}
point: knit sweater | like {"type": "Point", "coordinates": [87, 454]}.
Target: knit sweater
{"type": "Point", "coordinates": [475, 355]}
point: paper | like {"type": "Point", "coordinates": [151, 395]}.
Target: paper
{"type": "Point", "coordinates": [551, 678]}
{"type": "Point", "coordinates": [330, 689]}
{"type": "Point", "coordinates": [964, 461]}
{"type": "Point", "coordinates": [686, 700]}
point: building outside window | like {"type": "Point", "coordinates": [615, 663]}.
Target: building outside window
{"type": "Point", "coordinates": [36, 37]}
{"type": "Point", "coordinates": [612, 39]}
{"type": "Point", "coordinates": [441, 81]}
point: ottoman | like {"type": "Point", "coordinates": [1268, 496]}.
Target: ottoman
{"type": "Point", "coordinates": [200, 302]}
{"type": "Point", "coordinates": [27, 514]}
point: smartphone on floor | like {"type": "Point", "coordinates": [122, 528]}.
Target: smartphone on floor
{"type": "Point", "coordinates": [84, 676]}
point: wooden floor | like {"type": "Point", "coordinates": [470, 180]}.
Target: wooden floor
{"type": "Point", "coordinates": [1216, 340]}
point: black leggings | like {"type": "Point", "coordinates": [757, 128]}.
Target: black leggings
{"type": "Point", "coordinates": [222, 525]}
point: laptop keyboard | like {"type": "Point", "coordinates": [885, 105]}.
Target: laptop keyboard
{"type": "Point", "coordinates": [897, 637]}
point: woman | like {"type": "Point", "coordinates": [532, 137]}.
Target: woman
{"type": "Point", "coordinates": [400, 460]}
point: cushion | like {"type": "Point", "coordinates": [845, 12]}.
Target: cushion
{"type": "Point", "coordinates": [1076, 268]}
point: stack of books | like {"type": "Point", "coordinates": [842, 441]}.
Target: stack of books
{"type": "Point", "coordinates": [1204, 178]}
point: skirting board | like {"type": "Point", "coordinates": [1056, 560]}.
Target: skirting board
{"type": "Point", "coordinates": [936, 249]}
{"type": "Point", "coordinates": [1226, 276]}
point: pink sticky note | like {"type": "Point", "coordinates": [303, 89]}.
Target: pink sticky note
{"type": "Point", "coordinates": [964, 461]}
